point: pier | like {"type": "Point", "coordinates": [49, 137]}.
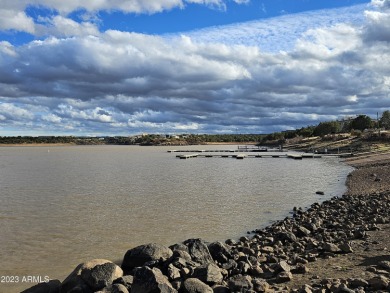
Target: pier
{"type": "Point", "coordinates": [242, 156]}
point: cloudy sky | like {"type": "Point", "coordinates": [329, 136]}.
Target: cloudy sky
{"type": "Point", "coordinates": [123, 67]}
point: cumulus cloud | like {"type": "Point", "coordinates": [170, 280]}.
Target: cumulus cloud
{"type": "Point", "coordinates": [16, 20]}
{"type": "Point", "coordinates": [121, 83]}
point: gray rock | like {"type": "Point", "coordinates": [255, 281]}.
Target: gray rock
{"type": "Point", "coordinates": [357, 282]}
{"type": "Point", "coordinates": [285, 237]}
{"type": "Point", "coordinates": [260, 285]}
{"type": "Point", "coordinates": [267, 249]}
{"type": "Point", "coordinates": [210, 274]}
{"type": "Point", "coordinates": [300, 269]}
{"type": "Point", "coordinates": [306, 289]}
{"type": "Point", "coordinates": [199, 251]}
{"type": "Point", "coordinates": [283, 277]}
{"type": "Point", "coordinates": [379, 282]}
{"type": "Point", "coordinates": [330, 247]}
{"type": "Point", "coordinates": [53, 286]}
{"type": "Point", "coordinates": [92, 275]}
{"type": "Point", "coordinates": [346, 248]}
{"type": "Point", "coordinates": [384, 264]}
{"type": "Point", "coordinates": [240, 283]}
{"type": "Point", "coordinates": [193, 285]}
{"type": "Point", "coordinates": [138, 256]}
{"type": "Point", "coordinates": [182, 254]}
{"type": "Point", "coordinates": [220, 289]}
{"type": "Point", "coordinates": [126, 281]}
{"type": "Point", "coordinates": [219, 252]}
{"type": "Point", "coordinates": [147, 280]}
{"type": "Point", "coordinates": [115, 288]}
{"type": "Point", "coordinates": [173, 272]}
{"type": "Point", "coordinates": [302, 231]}
{"type": "Point", "coordinates": [282, 267]}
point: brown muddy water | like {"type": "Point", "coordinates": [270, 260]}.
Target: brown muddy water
{"type": "Point", "coordinates": [61, 206]}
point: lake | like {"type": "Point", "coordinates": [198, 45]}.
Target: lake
{"type": "Point", "coordinates": [60, 206]}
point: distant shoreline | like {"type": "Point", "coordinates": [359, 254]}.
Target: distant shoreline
{"type": "Point", "coordinates": [36, 144]}
{"type": "Point", "coordinates": [73, 144]}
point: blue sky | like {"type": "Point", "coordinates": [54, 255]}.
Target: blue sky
{"type": "Point", "coordinates": [202, 66]}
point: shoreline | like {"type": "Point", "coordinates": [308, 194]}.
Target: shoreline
{"type": "Point", "coordinates": [321, 248]}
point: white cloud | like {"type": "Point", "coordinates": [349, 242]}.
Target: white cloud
{"type": "Point", "coordinates": [16, 20]}
{"type": "Point", "coordinates": [117, 82]}
{"type": "Point", "coordinates": [13, 112]}
{"type": "Point", "coordinates": [60, 26]}
{"type": "Point", "coordinates": [279, 33]}
{"type": "Point", "coordinates": [52, 118]}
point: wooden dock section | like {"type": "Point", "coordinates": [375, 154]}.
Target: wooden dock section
{"type": "Point", "coordinates": [240, 156]}
{"type": "Point", "coordinates": [187, 156]}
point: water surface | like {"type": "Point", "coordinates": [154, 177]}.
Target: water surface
{"type": "Point", "coordinates": [60, 206]}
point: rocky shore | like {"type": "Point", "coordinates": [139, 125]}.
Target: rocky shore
{"type": "Point", "coordinates": [340, 245]}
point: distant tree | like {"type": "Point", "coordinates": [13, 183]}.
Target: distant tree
{"type": "Point", "coordinates": [306, 131]}
{"type": "Point", "coordinates": [361, 122]}
{"type": "Point", "coordinates": [385, 120]}
{"type": "Point", "coordinates": [325, 128]}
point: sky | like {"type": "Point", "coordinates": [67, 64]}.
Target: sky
{"type": "Point", "coordinates": [125, 67]}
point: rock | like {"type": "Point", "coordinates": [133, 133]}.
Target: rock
{"type": "Point", "coordinates": [357, 282]}
{"type": "Point", "coordinates": [115, 288]}
{"type": "Point", "coordinates": [243, 267]}
{"type": "Point", "coordinates": [330, 247]}
{"type": "Point", "coordinates": [178, 247]}
{"type": "Point", "coordinates": [193, 285]}
{"type": "Point", "coordinates": [138, 256]}
{"type": "Point", "coordinates": [283, 277]}
{"type": "Point", "coordinates": [240, 283]}
{"type": "Point", "coordinates": [147, 280]}
{"type": "Point", "coordinates": [267, 249]}
{"type": "Point", "coordinates": [231, 264]}
{"type": "Point", "coordinates": [209, 274]}
{"type": "Point", "coordinates": [256, 271]}
{"type": "Point", "coordinates": [126, 281]}
{"type": "Point", "coordinates": [219, 252]}
{"type": "Point", "coordinates": [199, 251]}
{"type": "Point", "coordinates": [173, 272]}
{"type": "Point", "coordinates": [260, 285]}
{"type": "Point", "coordinates": [53, 286]}
{"type": "Point", "coordinates": [384, 264]}
{"type": "Point", "coordinates": [182, 254]}
{"type": "Point", "coordinates": [93, 275]}
{"type": "Point", "coordinates": [300, 269]}
{"type": "Point", "coordinates": [282, 267]}
{"type": "Point", "coordinates": [346, 248]}
{"type": "Point", "coordinates": [302, 231]}
{"type": "Point", "coordinates": [379, 282]}
{"type": "Point", "coordinates": [231, 242]}
{"type": "Point", "coordinates": [320, 192]}
{"type": "Point", "coordinates": [286, 236]}
{"type": "Point", "coordinates": [220, 289]}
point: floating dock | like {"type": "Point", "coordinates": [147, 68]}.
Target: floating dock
{"type": "Point", "coordinates": [242, 156]}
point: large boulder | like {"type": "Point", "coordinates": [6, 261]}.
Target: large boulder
{"type": "Point", "coordinates": [91, 276]}
{"type": "Point", "coordinates": [147, 280]}
{"type": "Point", "coordinates": [198, 251]}
{"type": "Point", "coordinates": [138, 256]}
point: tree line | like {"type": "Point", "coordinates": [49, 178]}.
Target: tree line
{"type": "Point", "coordinates": [353, 125]}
